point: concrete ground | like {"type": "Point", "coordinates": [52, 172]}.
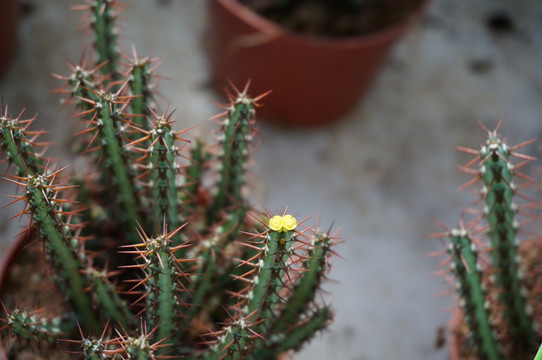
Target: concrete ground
{"type": "Point", "coordinates": [383, 172]}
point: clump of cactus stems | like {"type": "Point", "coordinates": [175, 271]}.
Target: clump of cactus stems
{"type": "Point", "coordinates": [156, 249]}
{"type": "Point", "coordinates": [490, 279]}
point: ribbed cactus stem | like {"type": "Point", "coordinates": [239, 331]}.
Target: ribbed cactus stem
{"type": "Point", "coordinates": [19, 144]}
{"type": "Point", "coordinates": [268, 282]}
{"type": "Point", "coordinates": [235, 138]}
{"type": "Point", "coordinates": [497, 174]}
{"type": "Point", "coordinates": [140, 84]}
{"type": "Point", "coordinates": [36, 328]}
{"type": "Point", "coordinates": [164, 171]}
{"type": "Point", "coordinates": [164, 282]}
{"type": "Point", "coordinates": [47, 215]}
{"type": "Point", "coordinates": [313, 323]}
{"type": "Point", "coordinates": [201, 283]}
{"type": "Point", "coordinates": [194, 176]}
{"type": "Point", "coordinates": [105, 294]}
{"type": "Point", "coordinates": [108, 123]}
{"type": "Point", "coordinates": [103, 23]}
{"type": "Point", "coordinates": [473, 295]}
{"type": "Point", "coordinates": [286, 329]}
{"type": "Point", "coordinates": [305, 285]}
{"type": "Point", "coordinates": [231, 341]}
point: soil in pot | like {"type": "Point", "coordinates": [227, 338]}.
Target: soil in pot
{"type": "Point", "coordinates": [333, 18]}
{"type": "Point", "coordinates": [530, 252]}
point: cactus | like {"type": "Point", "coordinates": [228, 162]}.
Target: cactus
{"type": "Point", "coordinates": [155, 247]}
{"type": "Point", "coordinates": [492, 289]}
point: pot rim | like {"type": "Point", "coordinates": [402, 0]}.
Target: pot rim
{"type": "Point", "coordinates": [274, 31]}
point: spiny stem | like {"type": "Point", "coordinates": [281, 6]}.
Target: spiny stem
{"type": "Point", "coordinates": [103, 23]}
{"type": "Point", "coordinates": [316, 321]}
{"type": "Point", "coordinates": [305, 285]}
{"type": "Point", "coordinates": [165, 284]}
{"type": "Point", "coordinates": [497, 175]}
{"type": "Point", "coordinates": [471, 289]}
{"type": "Point", "coordinates": [40, 194]}
{"type": "Point", "coordinates": [141, 87]}
{"type": "Point", "coordinates": [163, 170]}
{"type": "Point", "coordinates": [36, 329]}
{"type": "Point", "coordinates": [236, 135]}
{"type": "Point", "coordinates": [107, 120]}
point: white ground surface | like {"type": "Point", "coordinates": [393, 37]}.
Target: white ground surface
{"type": "Point", "coordinates": [382, 172]}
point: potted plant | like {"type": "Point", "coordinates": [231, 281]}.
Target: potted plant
{"type": "Point", "coordinates": [318, 57]}
{"type": "Point", "coordinates": [9, 10]}
{"type": "Point", "coordinates": [153, 252]}
{"type": "Point", "coordinates": [497, 280]}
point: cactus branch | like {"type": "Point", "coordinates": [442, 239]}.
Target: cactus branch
{"type": "Point", "coordinates": [469, 277]}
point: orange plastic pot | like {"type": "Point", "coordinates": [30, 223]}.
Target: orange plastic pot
{"type": "Point", "coordinates": [313, 80]}
{"type": "Point", "coordinates": [8, 32]}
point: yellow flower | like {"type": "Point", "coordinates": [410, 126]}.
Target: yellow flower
{"type": "Point", "coordinates": [275, 223]}
{"type": "Point", "coordinates": [288, 223]}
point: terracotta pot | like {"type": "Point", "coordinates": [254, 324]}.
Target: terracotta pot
{"type": "Point", "coordinates": [9, 10]}
{"type": "Point", "coordinates": [314, 80]}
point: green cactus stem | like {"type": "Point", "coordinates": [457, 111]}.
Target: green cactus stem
{"type": "Point", "coordinates": [36, 328]}
{"type": "Point", "coordinates": [236, 134]}
{"type": "Point", "coordinates": [265, 278]}
{"type": "Point", "coordinates": [190, 196]}
{"type": "Point", "coordinates": [303, 290]}
{"type": "Point", "coordinates": [105, 294]}
{"type": "Point", "coordinates": [473, 295]}
{"type": "Point", "coordinates": [140, 73]}
{"type": "Point", "coordinates": [108, 124]}
{"type": "Point", "coordinates": [232, 339]}
{"type": "Point", "coordinates": [165, 282]}
{"type": "Point", "coordinates": [162, 168]}
{"type": "Point", "coordinates": [101, 16]}
{"type": "Point", "coordinates": [46, 209]}
{"type": "Point", "coordinates": [312, 323]}
{"type": "Point", "coordinates": [497, 174]}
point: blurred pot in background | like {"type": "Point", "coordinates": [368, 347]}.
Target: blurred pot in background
{"type": "Point", "coordinates": [317, 65]}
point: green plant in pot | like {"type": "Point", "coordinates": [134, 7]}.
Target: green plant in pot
{"type": "Point", "coordinates": [153, 251]}
{"type": "Point", "coordinates": [322, 53]}
{"type": "Point", "coordinates": [497, 279]}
